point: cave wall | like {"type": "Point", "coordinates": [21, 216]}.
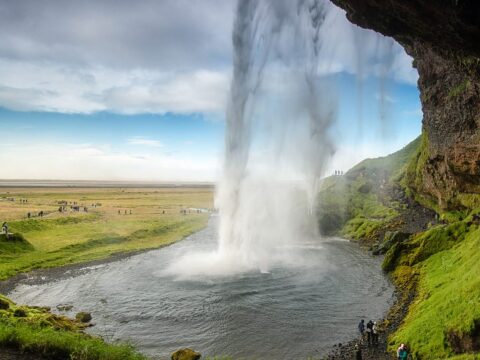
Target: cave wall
{"type": "Point", "coordinates": [443, 37]}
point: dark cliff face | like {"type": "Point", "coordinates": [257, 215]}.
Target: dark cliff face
{"type": "Point", "coordinates": [443, 37]}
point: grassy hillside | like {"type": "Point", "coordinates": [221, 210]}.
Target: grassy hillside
{"type": "Point", "coordinates": [360, 203]}
{"type": "Point", "coordinates": [437, 268]}
{"type": "Point", "coordinates": [444, 319]}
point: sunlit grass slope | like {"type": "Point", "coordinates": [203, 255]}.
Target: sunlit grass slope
{"type": "Point", "coordinates": [122, 220]}
{"type": "Point", "coordinates": [446, 312]}
{"type": "Point", "coordinates": [356, 205]}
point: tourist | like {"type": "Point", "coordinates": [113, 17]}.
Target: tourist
{"type": "Point", "coordinates": [5, 229]}
{"type": "Point", "coordinates": [358, 352]}
{"type": "Point", "coordinates": [402, 353]}
{"type": "Point", "coordinates": [369, 331]}
{"type": "Point", "coordinates": [375, 333]}
{"type": "Point", "coordinates": [361, 327]}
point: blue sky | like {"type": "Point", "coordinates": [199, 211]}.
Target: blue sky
{"type": "Point", "coordinates": [142, 96]}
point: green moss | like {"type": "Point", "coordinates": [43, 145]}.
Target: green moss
{"type": "Point", "coordinates": [14, 244]}
{"type": "Point", "coordinates": [448, 299]}
{"type": "Point", "coordinates": [412, 177]}
{"type": "Point", "coordinates": [391, 257]}
{"type": "Point", "coordinates": [437, 239]}
{"type": "Point", "coordinates": [469, 201]}
{"type": "Point", "coordinates": [459, 89]}
{"type": "Point", "coordinates": [354, 205]}
{"type": "Point", "coordinates": [55, 337]}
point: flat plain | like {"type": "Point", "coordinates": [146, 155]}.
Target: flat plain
{"type": "Point", "coordinates": [84, 224]}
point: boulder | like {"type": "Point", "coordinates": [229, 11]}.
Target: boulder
{"type": "Point", "coordinates": [64, 307]}
{"type": "Point", "coordinates": [186, 354]}
{"type": "Point", "coordinates": [83, 317]}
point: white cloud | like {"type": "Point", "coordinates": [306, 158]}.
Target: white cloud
{"type": "Point", "coordinates": [139, 140]}
{"type": "Point", "coordinates": [176, 58]}
{"type": "Point", "coordinates": [51, 87]}
{"type": "Point", "coordinates": [101, 162]}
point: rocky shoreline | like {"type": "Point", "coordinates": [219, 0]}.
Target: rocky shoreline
{"type": "Point", "coordinates": [388, 325]}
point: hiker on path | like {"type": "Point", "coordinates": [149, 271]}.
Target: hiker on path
{"type": "Point", "coordinates": [361, 327]}
{"type": "Point", "coordinates": [402, 353]}
{"type": "Point", "coordinates": [369, 332]}
{"type": "Point", "coordinates": [5, 229]}
{"type": "Point", "coordinates": [375, 333]}
{"type": "Point", "coordinates": [358, 352]}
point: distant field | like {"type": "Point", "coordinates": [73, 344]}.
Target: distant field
{"type": "Point", "coordinates": [115, 220]}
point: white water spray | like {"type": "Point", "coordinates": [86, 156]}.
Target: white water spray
{"type": "Point", "coordinates": [277, 144]}
{"type": "Point", "coordinates": [277, 132]}
{"type": "Point", "coordinates": [277, 141]}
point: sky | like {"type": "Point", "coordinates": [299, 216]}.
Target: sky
{"type": "Point", "coordinates": [123, 90]}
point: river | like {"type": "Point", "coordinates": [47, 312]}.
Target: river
{"type": "Point", "coordinates": [291, 312]}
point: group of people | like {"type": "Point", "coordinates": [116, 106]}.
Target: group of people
{"type": "Point", "coordinates": [370, 332]}
{"type": "Point", "coordinates": [40, 214]}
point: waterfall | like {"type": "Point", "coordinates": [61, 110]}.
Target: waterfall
{"type": "Point", "coordinates": [277, 140]}
{"type": "Point", "coordinates": [281, 107]}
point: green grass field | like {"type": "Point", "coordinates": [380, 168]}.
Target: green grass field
{"type": "Point", "coordinates": [116, 220]}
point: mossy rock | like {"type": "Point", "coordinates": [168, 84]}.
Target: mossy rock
{"type": "Point", "coordinates": [20, 312]}
{"type": "Point", "coordinates": [391, 257]}
{"type": "Point", "coordinates": [186, 354]}
{"type": "Point", "coordinates": [4, 304]}
{"type": "Point", "coordinates": [392, 238]}
{"type": "Point", "coordinates": [83, 317]}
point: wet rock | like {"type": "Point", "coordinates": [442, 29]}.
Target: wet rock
{"type": "Point", "coordinates": [64, 307]}
{"type": "Point", "coordinates": [83, 317]}
{"type": "Point", "coordinates": [186, 354]}
{"type": "Point", "coordinates": [391, 238]}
